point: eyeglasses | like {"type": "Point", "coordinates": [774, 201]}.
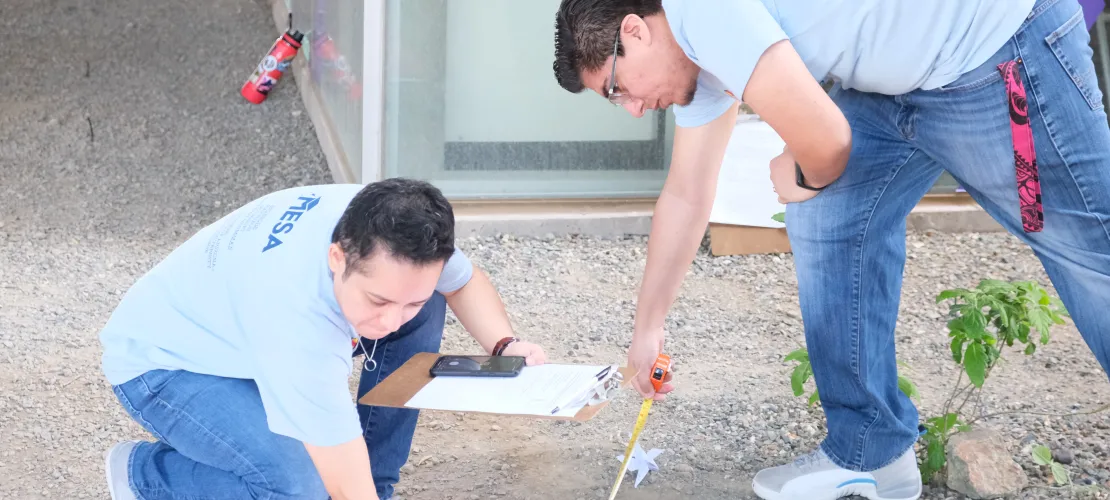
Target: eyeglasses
{"type": "Point", "coordinates": [617, 98]}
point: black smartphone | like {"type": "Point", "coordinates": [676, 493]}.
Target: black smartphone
{"type": "Point", "coordinates": [477, 366]}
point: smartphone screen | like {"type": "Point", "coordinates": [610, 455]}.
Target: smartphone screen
{"type": "Point", "coordinates": [478, 365]}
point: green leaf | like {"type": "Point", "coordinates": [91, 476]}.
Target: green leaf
{"type": "Point", "coordinates": [971, 323]}
{"type": "Point", "coordinates": [779, 217]}
{"type": "Point", "coordinates": [1040, 320]}
{"type": "Point", "coordinates": [941, 425]}
{"type": "Point", "coordinates": [934, 455]}
{"type": "Point", "coordinates": [1060, 474]}
{"type": "Point", "coordinates": [1042, 455]}
{"type": "Point", "coordinates": [996, 287]}
{"type": "Point", "coordinates": [1030, 348]}
{"type": "Point", "coordinates": [908, 388]}
{"type": "Point", "coordinates": [1023, 332]}
{"type": "Point", "coordinates": [956, 327]}
{"type": "Point", "coordinates": [975, 323]}
{"type": "Point", "coordinates": [951, 294]}
{"type": "Point", "coordinates": [799, 377]}
{"type": "Point", "coordinates": [975, 363]}
{"type": "Point", "coordinates": [798, 355]}
{"type": "Point", "coordinates": [814, 398]}
{"type": "Point", "coordinates": [958, 349]}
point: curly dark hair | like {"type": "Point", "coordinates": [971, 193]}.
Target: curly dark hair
{"type": "Point", "coordinates": [410, 218]}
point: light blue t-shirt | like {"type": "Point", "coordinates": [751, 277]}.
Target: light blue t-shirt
{"type": "Point", "coordinates": [884, 46]}
{"type": "Point", "coordinates": [251, 297]}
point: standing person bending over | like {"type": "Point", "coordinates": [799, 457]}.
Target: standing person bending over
{"type": "Point", "coordinates": [1002, 95]}
{"type": "Point", "coordinates": [235, 351]}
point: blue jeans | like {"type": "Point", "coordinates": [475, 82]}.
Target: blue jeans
{"type": "Point", "coordinates": [849, 241]}
{"type": "Point", "coordinates": [213, 441]}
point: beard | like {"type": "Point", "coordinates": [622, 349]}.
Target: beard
{"type": "Point", "coordinates": [688, 95]}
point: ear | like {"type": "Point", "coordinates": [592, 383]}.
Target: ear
{"type": "Point", "coordinates": [337, 260]}
{"type": "Point", "coordinates": [634, 27]}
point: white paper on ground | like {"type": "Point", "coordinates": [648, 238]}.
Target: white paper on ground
{"type": "Point", "coordinates": [536, 391]}
{"type": "Point", "coordinates": [745, 195]}
{"type": "Point", "coordinates": [641, 462]}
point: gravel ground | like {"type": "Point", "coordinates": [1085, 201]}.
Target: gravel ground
{"type": "Point", "coordinates": [172, 147]}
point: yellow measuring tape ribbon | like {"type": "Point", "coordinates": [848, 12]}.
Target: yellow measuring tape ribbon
{"type": "Point", "coordinates": [640, 421]}
{"type": "Point", "coordinates": [657, 376]}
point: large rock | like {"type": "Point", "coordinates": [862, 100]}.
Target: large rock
{"type": "Point", "coordinates": [980, 466]}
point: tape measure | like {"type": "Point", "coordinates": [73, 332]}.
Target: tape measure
{"type": "Point", "coordinates": [658, 375]}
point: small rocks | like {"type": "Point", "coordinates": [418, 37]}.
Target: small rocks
{"type": "Point", "coordinates": [731, 415]}
{"type": "Point", "coordinates": [980, 466]}
{"type": "Point", "coordinates": [1063, 456]}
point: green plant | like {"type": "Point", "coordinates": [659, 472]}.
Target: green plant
{"type": "Point", "coordinates": [1043, 456]}
{"type": "Point", "coordinates": [984, 320]}
{"type": "Point", "coordinates": [779, 217]}
{"type": "Point", "coordinates": [993, 315]}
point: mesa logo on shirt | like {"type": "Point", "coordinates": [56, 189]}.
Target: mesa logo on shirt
{"type": "Point", "coordinates": [289, 219]}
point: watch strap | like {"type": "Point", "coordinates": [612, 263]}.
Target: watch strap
{"type": "Point", "coordinates": [800, 179]}
{"type": "Point", "coordinates": [499, 348]}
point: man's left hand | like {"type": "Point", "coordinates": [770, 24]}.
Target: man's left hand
{"type": "Point", "coordinates": [533, 354]}
{"type": "Point", "coordinates": [784, 179]}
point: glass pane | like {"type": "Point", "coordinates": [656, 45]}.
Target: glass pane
{"type": "Point", "coordinates": [471, 103]}
{"type": "Point", "coordinates": [333, 49]}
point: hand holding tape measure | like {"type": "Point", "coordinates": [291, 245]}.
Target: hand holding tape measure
{"type": "Point", "coordinates": [642, 354]}
{"type": "Point", "coordinates": [658, 375]}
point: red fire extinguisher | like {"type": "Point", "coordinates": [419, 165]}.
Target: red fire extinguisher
{"type": "Point", "coordinates": [273, 66]}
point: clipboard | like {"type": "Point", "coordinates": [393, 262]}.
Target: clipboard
{"type": "Point", "coordinates": [400, 386]}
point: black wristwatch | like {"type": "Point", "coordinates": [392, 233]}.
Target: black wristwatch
{"type": "Point", "coordinates": [800, 179]}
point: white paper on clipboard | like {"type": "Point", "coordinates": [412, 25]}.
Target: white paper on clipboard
{"type": "Point", "coordinates": [745, 195]}
{"type": "Point", "coordinates": [537, 390]}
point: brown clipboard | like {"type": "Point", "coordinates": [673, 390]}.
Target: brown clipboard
{"type": "Point", "coordinates": [400, 386]}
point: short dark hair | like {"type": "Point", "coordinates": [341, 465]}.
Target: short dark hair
{"type": "Point", "coordinates": [584, 34]}
{"type": "Point", "coordinates": [409, 218]}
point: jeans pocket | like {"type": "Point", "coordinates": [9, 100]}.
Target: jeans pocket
{"type": "Point", "coordinates": [982, 76]}
{"type": "Point", "coordinates": [1072, 46]}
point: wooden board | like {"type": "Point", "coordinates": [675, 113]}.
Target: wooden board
{"type": "Point", "coordinates": [726, 239]}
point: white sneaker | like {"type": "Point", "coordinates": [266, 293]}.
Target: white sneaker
{"type": "Point", "coordinates": [815, 477]}
{"type": "Point", "coordinates": [115, 470]}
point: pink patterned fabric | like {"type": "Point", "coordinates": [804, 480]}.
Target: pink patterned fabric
{"type": "Point", "coordinates": [1025, 156]}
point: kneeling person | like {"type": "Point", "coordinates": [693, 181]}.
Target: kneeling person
{"type": "Point", "coordinates": [236, 350]}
